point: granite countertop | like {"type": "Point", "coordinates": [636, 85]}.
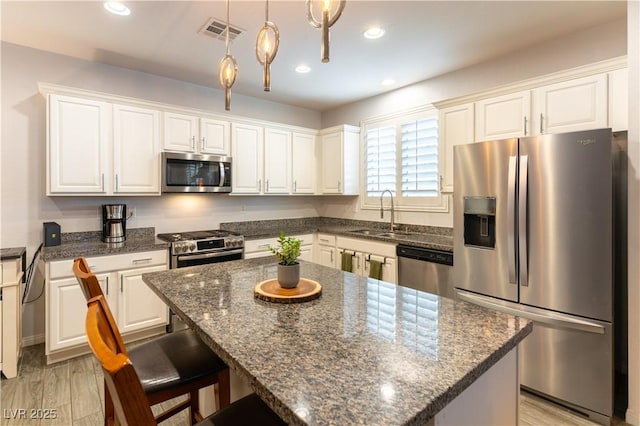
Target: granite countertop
{"type": "Point", "coordinates": [89, 244]}
{"type": "Point", "coordinates": [12, 253]}
{"type": "Point", "coordinates": [325, 361]}
{"type": "Point", "coordinates": [418, 236]}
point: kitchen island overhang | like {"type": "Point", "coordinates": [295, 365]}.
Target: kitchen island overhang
{"type": "Point", "coordinates": [365, 352]}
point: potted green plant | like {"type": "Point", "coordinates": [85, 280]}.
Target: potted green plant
{"type": "Point", "coordinates": [287, 254]}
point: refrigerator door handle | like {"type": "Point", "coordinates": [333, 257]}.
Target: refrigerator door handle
{"type": "Point", "coordinates": [534, 314]}
{"type": "Point", "coordinates": [522, 221]}
{"type": "Point", "coordinates": [511, 219]}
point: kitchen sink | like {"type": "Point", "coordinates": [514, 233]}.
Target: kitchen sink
{"type": "Point", "coordinates": [364, 232]}
{"type": "Point", "coordinates": [396, 234]}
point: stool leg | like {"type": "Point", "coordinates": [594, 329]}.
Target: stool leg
{"type": "Point", "coordinates": [224, 389]}
{"type": "Point", "coordinates": [194, 407]}
{"type": "Point", "coordinates": [109, 410]}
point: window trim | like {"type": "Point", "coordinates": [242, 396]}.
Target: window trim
{"type": "Point", "coordinates": [440, 203]}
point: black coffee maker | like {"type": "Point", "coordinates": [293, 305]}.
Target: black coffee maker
{"type": "Point", "coordinates": [114, 223]}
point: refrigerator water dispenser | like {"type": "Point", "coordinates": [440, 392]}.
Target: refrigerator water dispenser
{"type": "Point", "coordinates": [480, 222]}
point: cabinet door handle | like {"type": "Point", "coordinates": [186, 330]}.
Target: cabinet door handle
{"type": "Point", "coordinates": [103, 182]}
{"type": "Point", "coordinates": [116, 182]}
{"type": "Point", "coordinates": [541, 119]}
{"type": "Point", "coordinates": [295, 186]}
{"type": "Point", "coordinates": [121, 283]}
{"type": "Point", "coordinates": [525, 125]}
{"type": "Point", "coordinates": [107, 285]}
{"type": "Point", "coordinates": [202, 149]}
{"type": "Point", "coordinates": [259, 184]}
{"type": "Point", "coordinates": [193, 143]}
{"type": "Point", "coordinates": [331, 256]}
{"type": "Point", "coordinates": [267, 185]}
{"type": "Point", "coordinates": [339, 186]}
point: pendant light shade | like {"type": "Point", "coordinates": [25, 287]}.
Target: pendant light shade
{"type": "Point", "coordinates": [227, 70]}
{"type": "Point", "coordinates": [330, 13]}
{"type": "Point", "coordinates": [267, 45]}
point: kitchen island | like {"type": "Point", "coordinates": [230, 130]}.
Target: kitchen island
{"type": "Point", "coordinates": [364, 352]}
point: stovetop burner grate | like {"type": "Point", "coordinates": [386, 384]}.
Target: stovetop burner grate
{"type": "Point", "coordinates": [195, 235]}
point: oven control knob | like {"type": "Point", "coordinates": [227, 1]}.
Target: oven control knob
{"type": "Point", "coordinates": [192, 246]}
{"type": "Point", "coordinates": [178, 248]}
{"type": "Point", "coordinates": [227, 243]}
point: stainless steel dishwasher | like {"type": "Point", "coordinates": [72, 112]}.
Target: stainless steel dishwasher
{"type": "Point", "coordinates": [425, 269]}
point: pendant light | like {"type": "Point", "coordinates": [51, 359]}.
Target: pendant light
{"type": "Point", "coordinates": [227, 70]}
{"type": "Point", "coordinates": [267, 47]}
{"type": "Point", "coordinates": [331, 11]}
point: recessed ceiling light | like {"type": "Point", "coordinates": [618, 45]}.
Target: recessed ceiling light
{"type": "Point", "coordinates": [117, 8]}
{"type": "Point", "coordinates": [388, 82]}
{"type": "Point", "coordinates": [303, 69]}
{"type": "Point", "coordinates": [374, 33]}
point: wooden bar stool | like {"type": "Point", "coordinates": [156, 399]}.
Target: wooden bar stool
{"type": "Point", "coordinates": [166, 367]}
{"type": "Point", "coordinates": [132, 407]}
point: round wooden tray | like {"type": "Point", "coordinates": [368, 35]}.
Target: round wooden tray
{"type": "Point", "coordinates": [271, 291]}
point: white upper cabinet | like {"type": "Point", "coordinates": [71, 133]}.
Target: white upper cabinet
{"type": "Point", "coordinates": [503, 116]}
{"type": "Point", "coordinates": [99, 148]}
{"type": "Point", "coordinates": [455, 128]}
{"type": "Point", "coordinates": [619, 99]}
{"type": "Point", "coordinates": [136, 150]}
{"type": "Point", "coordinates": [303, 163]}
{"type": "Point", "coordinates": [339, 160]}
{"type": "Point", "coordinates": [78, 148]}
{"type": "Point", "coordinates": [277, 161]}
{"type": "Point", "coordinates": [188, 133]}
{"type": "Point", "coordinates": [180, 132]}
{"type": "Point", "coordinates": [578, 104]}
{"type": "Point", "coordinates": [214, 136]}
{"type": "Point", "coordinates": [248, 158]}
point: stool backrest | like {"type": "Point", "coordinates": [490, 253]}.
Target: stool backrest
{"type": "Point", "coordinates": [129, 399]}
{"type": "Point", "coordinates": [87, 280]}
{"type": "Point", "coordinates": [91, 289]}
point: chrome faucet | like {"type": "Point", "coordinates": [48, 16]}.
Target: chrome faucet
{"type": "Point", "coordinates": [393, 225]}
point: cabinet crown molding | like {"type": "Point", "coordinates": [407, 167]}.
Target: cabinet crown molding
{"type": "Point", "coordinates": [532, 83]}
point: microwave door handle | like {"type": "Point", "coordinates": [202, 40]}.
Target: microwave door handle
{"type": "Point", "coordinates": [522, 220]}
{"type": "Point", "coordinates": [511, 220]}
{"type": "Point", "coordinates": [222, 174]}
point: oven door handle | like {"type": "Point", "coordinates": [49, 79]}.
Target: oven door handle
{"type": "Point", "coordinates": [210, 255]}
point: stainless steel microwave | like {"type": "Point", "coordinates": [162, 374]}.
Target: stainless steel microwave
{"type": "Point", "coordinates": [195, 173]}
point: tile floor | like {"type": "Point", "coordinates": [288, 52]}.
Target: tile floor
{"type": "Point", "coordinates": [72, 391]}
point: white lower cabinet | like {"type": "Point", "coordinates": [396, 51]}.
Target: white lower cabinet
{"type": "Point", "coordinates": [132, 302]}
{"type": "Point", "coordinates": [330, 248]}
{"type": "Point", "coordinates": [10, 316]}
{"type": "Point", "coordinates": [260, 247]}
{"type": "Point", "coordinates": [133, 315]}
{"type": "Point", "coordinates": [325, 249]}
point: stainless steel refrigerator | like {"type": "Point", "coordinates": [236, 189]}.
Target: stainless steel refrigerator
{"type": "Point", "coordinates": [534, 236]}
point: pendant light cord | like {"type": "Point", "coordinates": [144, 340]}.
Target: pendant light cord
{"type": "Point", "coordinates": [227, 27]}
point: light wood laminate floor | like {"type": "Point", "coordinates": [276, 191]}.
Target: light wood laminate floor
{"type": "Point", "coordinates": [73, 390]}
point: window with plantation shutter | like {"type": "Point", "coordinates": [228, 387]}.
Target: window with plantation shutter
{"type": "Point", "coordinates": [381, 160]}
{"type": "Point", "coordinates": [419, 147]}
{"type": "Point", "coordinates": [401, 155]}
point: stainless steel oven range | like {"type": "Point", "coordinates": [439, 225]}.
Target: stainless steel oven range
{"type": "Point", "coordinates": [200, 248]}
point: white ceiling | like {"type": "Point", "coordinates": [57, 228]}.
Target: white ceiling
{"type": "Point", "coordinates": [423, 39]}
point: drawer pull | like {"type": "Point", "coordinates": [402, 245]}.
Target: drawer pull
{"type": "Point", "coordinates": [264, 246]}
{"type": "Point", "coordinates": [146, 259]}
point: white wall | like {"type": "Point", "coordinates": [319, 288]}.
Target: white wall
{"type": "Point", "coordinates": [23, 204]}
{"type": "Point", "coordinates": [633, 16]}
{"type": "Point", "coordinates": [592, 45]}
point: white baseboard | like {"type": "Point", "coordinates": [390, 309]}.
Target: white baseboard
{"type": "Point", "coordinates": [632, 417]}
{"type": "Point", "coordinates": [32, 340]}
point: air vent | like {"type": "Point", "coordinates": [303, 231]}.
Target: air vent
{"type": "Point", "coordinates": [217, 28]}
